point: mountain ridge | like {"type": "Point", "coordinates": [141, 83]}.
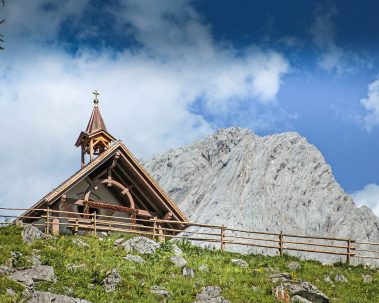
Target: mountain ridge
{"type": "Point", "coordinates": [276, 182]}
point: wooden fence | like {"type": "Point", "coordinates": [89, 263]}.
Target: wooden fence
{"type": "Point", "coordinates": [55, 222]}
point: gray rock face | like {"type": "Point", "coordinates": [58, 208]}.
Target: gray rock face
{"type": "Point", "coordinates": [210, 294]}
{"type": "Point", "coordinates": [46, 297]}
{"type": "Point", "coordinates": [178, 261]}
{"type": "Point", "coordinates": [111, 280]}
{"type": "Point", "coordinates": [141, 245]}
{"type": "Point", "coordinates": [367, 278]}
{"type": "Point", "coordinates": [134, 259]}
{"type": "Point", "coordinates": [271, 183]}
{"type": "Point", "coordinates": [341, 278]}
{"type": "Point", "coordinates": [281, 277]}
{"type": "Point", "coordinates": [306, 290]}
{"type": "Point", "coordinates": [160, 291]}
{"type": "Point", "coordinates": [240, 263]}
{"type": "Point", "coordinates": [188, 272]}
{"type": "Point", "coordinates": [31, 233]}
{"type": "Point", "coordinates": [31, 275]}
{"type": "Point", "coordinates": [299, 299]}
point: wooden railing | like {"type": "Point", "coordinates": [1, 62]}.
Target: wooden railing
{"type": "Point", "coordinates": [56, 221]}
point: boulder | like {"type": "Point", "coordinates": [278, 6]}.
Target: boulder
{"type": "Point", "coordinates": [4, 270]}
{"type": "Point", "coordinates": [75, 267]}
{"type": "Point", "coordinates": [341, 278]}
{"type": "Point", "coordinates": [281, 277]}
{"type": "Point", "coordinates": [367, 278]}
{"type": "Point", "coordinates": [111, 280]}
{"type": "Point", "coordinates": [31, 275]}
{"type": "Point", "coordinates": [160, 291]}
{"type": "Point", "coordinates": [47, 297]}
{"type": "Point", "coordinates": [299, 299]}
{"type": "Point", "coordinates": [141, 245]}
{"type": "Point", "coordinates": [210, 294]}
{"type": "Point", "coordinates": [188, 272]}
{"type": "Point", "coordinates": [178, 261]}
{"type": "Point", "coordinates": [307, 291]}
{"type": "Point", "coordinates": [176, 250]}
{"type": "Point", "coordinates": [294, 266]}
{"type": "Point", "coordinates": [134, 258]}
{"type": "Point", "coordinates": [240, 263]}
{"type": "Point", "coordinates": [31, 233]}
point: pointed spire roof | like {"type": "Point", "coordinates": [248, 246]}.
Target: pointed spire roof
{"type": "Point", "coordinates": [96, 122]}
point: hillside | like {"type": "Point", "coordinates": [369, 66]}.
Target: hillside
{"type": "Point", "coordinates": [103, 269]}
{"type": "Point", "coordinates": [272, 183]}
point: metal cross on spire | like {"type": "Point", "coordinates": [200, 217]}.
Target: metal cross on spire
{"type": "Point", "coordinates": [96, 100]}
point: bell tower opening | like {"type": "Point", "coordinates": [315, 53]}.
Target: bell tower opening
{"type": "Point", "coordinates": [95, 139]}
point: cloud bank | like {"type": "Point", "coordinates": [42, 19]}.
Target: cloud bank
{"type": "Point", "coordinates": [368, 196]}
{"type": "Point", "coordinates": [371, 104]}
{"type": "Point", "coordinates": [147, 90]}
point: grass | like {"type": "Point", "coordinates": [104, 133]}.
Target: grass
{"type": "Point", "coordinates": [137, 279]}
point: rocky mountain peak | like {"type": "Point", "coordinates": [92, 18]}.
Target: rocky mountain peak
{"type": "Point", "coordinates": [277, 182]}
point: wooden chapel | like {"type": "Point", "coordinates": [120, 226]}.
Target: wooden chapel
{"type": "Point", "coordinates": [111, 183]}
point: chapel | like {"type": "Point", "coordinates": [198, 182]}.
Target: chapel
{"type": "Point", "coordinates": [111, 183]}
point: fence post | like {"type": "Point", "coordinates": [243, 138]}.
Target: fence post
{"type": "Point", "coordinates": [281, 244]}
{"type": "Point", "coordinates": [222, 236]}
{"type": "Point", "coordinates": [47, 221]}
{"type": "Point", "coordinates": [155, 228]}
{"type": "Point", "coordinates": [94, 223]}
{"type": "Point", "coordinates": [348, 251]}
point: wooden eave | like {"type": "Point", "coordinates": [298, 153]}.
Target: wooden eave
{"type": "Point", "coordinates": [102, 158]}
{"type": "Point", "coordinates": [95, 134]}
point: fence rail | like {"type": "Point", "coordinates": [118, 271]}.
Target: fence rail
{"type": "Point", "coordinates": [58, 221]}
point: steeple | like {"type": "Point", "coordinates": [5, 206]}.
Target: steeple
{"type": "Point", "coordinates": [95, 139]}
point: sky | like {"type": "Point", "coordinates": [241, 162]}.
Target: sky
{"type": "Point", "coordinates": [173, 71]}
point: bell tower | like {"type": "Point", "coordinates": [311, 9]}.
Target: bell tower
{"type": "Point", "coordinates": [95, 139]}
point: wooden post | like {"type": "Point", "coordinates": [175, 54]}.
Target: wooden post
{"type": "Point", "coordinates": [55, 227]}
{"type": "Point", "coordinates": [155, 228]}
{"type": "Point", "coordinates": [76, 227]}
{"type": "Point", "coordinates": [348, 251]}
{"type": "Point", "coordinates": [161, 237]}
{"type": "Point", "coordinates": [222, 236]}
{"type": "Point", "coordinates": [281, 244]}
{"type": "Point", "coordinates": [94, 224]}
{"type": "Point", "coordinates": [47, 221]}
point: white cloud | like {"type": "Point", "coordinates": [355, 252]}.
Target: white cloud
{"type": "Point", "coordinates": [332, 57]}
{"type": "Point", "coordinates": [368, 196]}
{"type": "Point", "coordinates": [371, 104]}
{"type": "Point", "coordinates": [145, 97]}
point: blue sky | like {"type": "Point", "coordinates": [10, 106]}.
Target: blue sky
{"type": "Point", "coordinates": [170, 72]}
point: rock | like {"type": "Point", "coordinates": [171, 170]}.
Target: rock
{"type": "Point", "coordinates": [4, 270]}
{"type": "Point", "coordinates": [31, 275]}
{"type": "Point", "coordinates": [36, 260]}
{"type": "Point", "coordinates": [158, 290]}
{"type": "Point", "coordinates": [282, 277]}
{"type": "Point", "coordinates": [176, 250]}
{"type": "Point", "coordinates": [11, 292]}
{"type": "Point", "coordinates": [210, 294]}
{"type": "Point", "coordinates": [188, 272]}
{"type": "Point", "coordinates": [200, 175]}
{"type": "Point", "coordinates": [306, 290]}
{"type": "Point", "coordinates": [79, 242]}
{"type": "Point", "coordinates": [203, 268]}
{"type": "Point", "coordinates": [327, 279]}
{"type": "Point", "coordinates": [74, 267]}
{"type": "Point", "coordinates": [178, 261]}
{"type": "Point", "coordinates": [134, 259]}
{"type": "Point", "coordinates": [294, 266]}
{"type": "Point", "coordinates": [240, 263]}
{"type": "Point", "coordinates": [31, 233]}
{"type": "Point", "coordinates": [341, 278]}
{"type": "Point", "coordinates": [46, 297]}
{"type": "Point", "coordinates": [141, 245]}
{"type": "Point", "coordinates": [111, 280]}
{"type": "Point", "coordinates": [299, 299]}
{"type": "Point", "coordinates": [367, 278]}
{"type": "Point", "coordinates": [118, 242]}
